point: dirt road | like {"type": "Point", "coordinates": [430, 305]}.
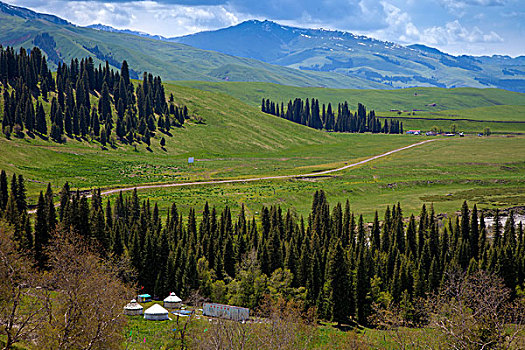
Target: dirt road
{"type": "Point", "coordinates": [251, 179]}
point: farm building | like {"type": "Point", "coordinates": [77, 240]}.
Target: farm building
{"type": "Point", "coordinates": [172, 301]}
{"type": "Point", "coordinates": [144, 298]}
{"type": "Point", "coordinates": [233, 313]}
{"type": "Point", "coordinates": [156, 313]}
{"type": "Point", "coordinates": [133, 309]}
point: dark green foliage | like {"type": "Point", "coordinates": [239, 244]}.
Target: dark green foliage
{"type": "Point", "coordinates": [334, 263]}
{"type": "Point", "coordinates": [56, 133]}
{"type": "Point", "coordinates": [309, 114]}
{"type": "Point", "coordinates": [339, 285]}
{"type": "Point", "coordinates": [42, 231]}
{"type": "Point", "coordinates": [4, 192]}
{"type": "Point", "coordinates": [103, 136]}
{"type": "Point", "coordinates": [71, 109]}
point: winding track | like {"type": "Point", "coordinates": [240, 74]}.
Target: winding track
{"type": "Point", "coordinates": [252, 179]}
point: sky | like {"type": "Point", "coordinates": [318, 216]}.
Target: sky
{"type": "Point", "coordinates": [472, 27]}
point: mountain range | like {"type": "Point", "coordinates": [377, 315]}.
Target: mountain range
{"type": "Point", "coordinates": [262, 51]}
{"type": "Point", "coordinates": [360, 56]}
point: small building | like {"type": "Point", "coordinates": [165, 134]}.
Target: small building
{"type": "Point", "coordinates": [431, 133]}
{"type": "Point", "coordinates": [413, 132]}
{"type": "Point", "coordinates": [156, 313]}
{"type": "Point", "coordinates": [133, 309]}
{"type": "Point", "coordinates": [229, 312]}
{"type": "Point", "coordinates": [144, 298]}
{"type": "Point", "coordinates": [172, 301]}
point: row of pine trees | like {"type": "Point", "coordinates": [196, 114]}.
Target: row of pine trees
{"type": "Point", "coordinates": [310, 113]}
{"type": "Point", "coordinates": [331, 259]}
{"type": "Point", "coordinates": [83, 100]}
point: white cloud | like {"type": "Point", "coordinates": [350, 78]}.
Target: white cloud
{"type": "Point", "coordinates": [454, 33]}
{"type": "Point", "coordinates": [84, 13]}
{"type": "Point", "coordinates": [400, 27]}
{"type": "Point", "coordinates": [464, 26]}
{"type": "Point", "coordinates": [460, 8]}
{"type": "Point", "coordinates": [148, 16]}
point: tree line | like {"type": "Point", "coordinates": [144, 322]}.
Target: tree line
{"type": "Point", "coordinates": [310, 113]}
{"type": "Point", "coordinates": [331, 260]}
{"type": "Point", "coordinates": [83, 100]}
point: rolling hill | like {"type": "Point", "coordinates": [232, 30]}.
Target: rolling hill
{"type": "Point", "coordinates": [428, 99]}
{"type": "Point", "coordinates": [63, 41]}
{"type": "Point", "coordinates": [359, 56]}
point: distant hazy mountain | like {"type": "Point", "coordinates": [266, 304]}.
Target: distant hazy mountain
{"type": "Point", "coordinates": [262, 51]}
{"type": "Point", "coordinates": [125, 31]}
{"type": "Point", "coordinates": [28, 14]}
{"type": "Point", "coordinates": [345, 53]}
{"type": "Point", "coordinates": [63, 41]}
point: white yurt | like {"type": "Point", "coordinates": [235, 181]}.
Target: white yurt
{"type": "Point", "coordinates": [133, 308]}
{"type": "Point", "coordinates": [156, 313]}
{"type": "Point", "coordinates": [172, 301]}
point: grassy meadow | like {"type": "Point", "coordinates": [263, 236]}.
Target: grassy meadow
{"type": "Point", "coordinates": [501, 111]}
{"type": "Point", "coordinates": [445, 173]}
{"type": "Point", "coordinates": [419, 98]}
{"type": "Point", "coordinates": [238, 141]}
{"type": "Point", "coordinates": [141, 334]}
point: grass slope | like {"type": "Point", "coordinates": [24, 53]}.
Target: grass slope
{"type": "Point", "coordinates": [379, 100]}
{"type": "Point", "coordinates": [239, 141]}
{"type": "Point", "coordinates": [500, 110]}
{"type": "Point", "coordinates": [445, 173]}
{"type": "Point", "coordinates": [236, 140]}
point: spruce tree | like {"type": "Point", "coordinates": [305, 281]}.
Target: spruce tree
{"type": "Point", "coordinates": [50, 209]}
{"type": "Point", "coordinates": [4, 192]}
{"type": "Point", "coordinates": [56, 134]}
{"type": "Point", "coordinates": [103, 136]}
{"type": "Point", "coordinates": [361, 289]}
{"type": "Point", "coordinates": [21, 197]}
{"type": "Point", "coordinates": [496, 229]}
{"type": "Point", "coordinates": [124, 72]}
{"type": "Point", "coordinates": [338, 279]}
{"type": "Point", "coordinates": [41, 231]}
{"type": "Point", "coordinates": [465, 223]}
{"type": "Point", "coordinates": [376, 231]}
{"type": "Point", "coordinates": [474, 233]}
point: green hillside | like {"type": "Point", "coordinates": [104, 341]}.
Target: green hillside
{"type": "Point", "coordinates": [379, 100]}
{"type": "Point", "coordinates": [235, 140]}
{"type": "Point", "coordinates": [239, 141]}
{"type": "Point", "coordinates": [500, 110]}
{"type": "Point", "coordinates": [172, 61]}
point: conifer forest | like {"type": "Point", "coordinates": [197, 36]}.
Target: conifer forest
{"type": "Point", "coordinates": [336, 227]}
{"type": "Point", "coordinates": [329, 256]}
{"type": "Point", "coordinates": [324, 117]}
{"type": "Point", "coordinates": [87, 100]}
